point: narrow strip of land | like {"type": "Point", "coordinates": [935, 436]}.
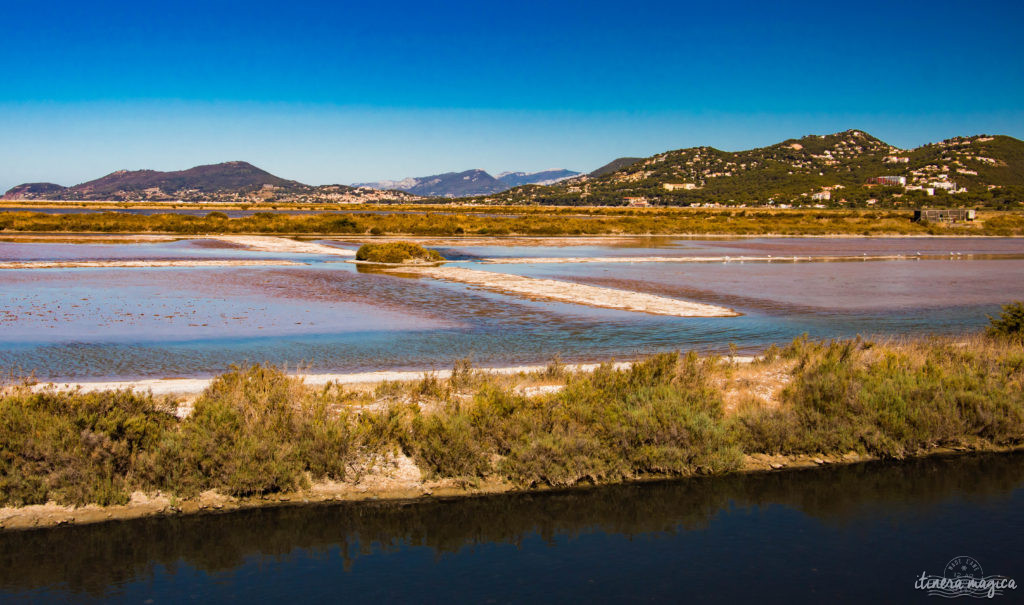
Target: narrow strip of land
{"type": "Point", "coordinates": [692, 259]}
{"type": "Point", "coordinates": [194, 386]}
{"type": "Point", "coordinates": [85, 264]}
{"type": "Point", "coordinates": [265, 243]}
{"type": "Point", "coordinates": [570, 292]}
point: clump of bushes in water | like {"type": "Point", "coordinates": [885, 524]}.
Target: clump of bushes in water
{"type": "Point", "coordinates": [257, 431]}
{"type": "Point", "coordinates": [396, 252]}
{"type": "Point", "coordinates": [1009, 324]}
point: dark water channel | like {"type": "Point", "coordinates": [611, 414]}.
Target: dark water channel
{"type": "Point", "coordinates": [853, 534]}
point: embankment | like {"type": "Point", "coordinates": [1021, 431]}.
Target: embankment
{"type": "Point", "coordinates": [257, 437]}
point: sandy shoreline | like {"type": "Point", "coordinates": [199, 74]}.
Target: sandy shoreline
{"type": "Point", "coordinates": [87, 238]}
{"type": "Point", "coordinates": [570, 292]}
{"type": "Point", "coordinates": [194, 386]}
{"type": "Point", "coordinates": [136, 264]}
{"type": "Point", "coordinates": [690, 259]}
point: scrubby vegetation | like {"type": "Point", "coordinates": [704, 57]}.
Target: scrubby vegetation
{"type": "Point", "coordinates": [893, 401]}
{"type": "Point", "coordinates": [660, 417]}
{"type": "Point", "coordinates": [256, 431]}
{"type": "Point", "coordinates": [987, 171]}
{"type": "Point", "coordinates": [1010, 323]}
{"type": "Point", "coordinates": [397, 252]}
{"type": "Point", "coordinates": [521, 220]}
{"type": "Point", "coordinates": [75, 448]}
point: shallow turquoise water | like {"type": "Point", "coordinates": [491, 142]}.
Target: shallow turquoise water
{"type": "Point", "coordinates": [329, 316]}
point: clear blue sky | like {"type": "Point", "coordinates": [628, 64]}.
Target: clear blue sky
{"type": "Point", "coordinates": [342, 92]}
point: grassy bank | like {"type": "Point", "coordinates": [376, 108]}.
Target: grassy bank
{"type": "Point", "coordinates": [523, 221]}
{"type": "Point", "coordinates": [257, 432]}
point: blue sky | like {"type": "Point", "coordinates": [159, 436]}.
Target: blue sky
{"type": "Point", "coordinates": [340, 92]}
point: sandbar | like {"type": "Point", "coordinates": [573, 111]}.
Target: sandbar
{"type": "Point", "coordinates": [570, 292]}
{"type": "Point", "coordinates": [529, 260]}
{"type": "Point", "coordinates": [265, 243]}
{"type": "Point", "coordinates": [85, 264]}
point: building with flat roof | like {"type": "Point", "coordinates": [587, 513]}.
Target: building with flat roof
{"type": "Point", "coordinates": [944, 215]}
{"type": "Point", "coordinates": [889, 181]}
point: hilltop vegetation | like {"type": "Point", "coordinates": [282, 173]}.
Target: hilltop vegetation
{"type": "Point", "coordinates": [225, 182]}
{"type": "Point", "coordinates": [980, 170]}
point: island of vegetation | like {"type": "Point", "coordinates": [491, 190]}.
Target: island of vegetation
{"type": "Point", "coordinates": [394, 253]}
{"type": "Point", "coordinates": [256, 436]}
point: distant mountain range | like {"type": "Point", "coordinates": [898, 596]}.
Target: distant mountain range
{"type": "Point", "coordinates": [850, 168]}
{"type": "Point", "coordinates": [544, 177]}
{"type": "Point", "coordinates": [228, 181]}
{"type": "Point", "coordinates": [470, 182]}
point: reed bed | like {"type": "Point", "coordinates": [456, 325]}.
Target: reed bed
{"type": "Point", "coordinates": [525, 221]}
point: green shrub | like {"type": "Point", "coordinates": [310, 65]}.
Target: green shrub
{"type": "Point", "coordinates": [396, 252]}
{"type": "Point", "coordinates": [660, 417]}
{"type": "Point", "coordinates": [1010, 323]}
{"type": "Point", "coordinates": [448, 445]}
{"type": "Point", "coordinates": [74, 448]}
{"type": "Point", "coordinates": [893, 401]}
{"type": "Point", "coordinates": [254, 431]}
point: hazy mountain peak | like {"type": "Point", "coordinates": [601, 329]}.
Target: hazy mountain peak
{"type": "Point", "coordinates": [470, 182]}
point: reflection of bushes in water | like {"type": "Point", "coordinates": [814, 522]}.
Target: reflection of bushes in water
{"type": "Point", "coordinates": [92, 558]}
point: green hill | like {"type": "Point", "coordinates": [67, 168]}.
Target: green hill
{"type": "Point", "coordinates": [225, 182]}
{"type": "Point", "coordinates": [978, 170]}
{"type": "Point", "coordinates": [614, 166]}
